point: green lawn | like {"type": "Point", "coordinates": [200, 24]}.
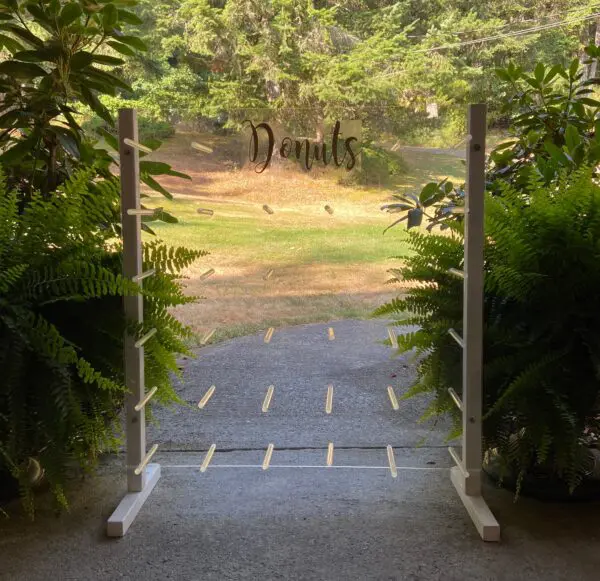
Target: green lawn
{"type": "Point", "coordinates": [249, 234]}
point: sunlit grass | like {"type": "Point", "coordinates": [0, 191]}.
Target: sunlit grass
{"type": "Point", "coordinates": [249, 235]}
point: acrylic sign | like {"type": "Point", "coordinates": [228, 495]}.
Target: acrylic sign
{"type": "Point", "coordinates": [262, 139]}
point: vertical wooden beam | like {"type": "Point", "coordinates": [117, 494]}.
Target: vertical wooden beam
{"type": "Point", "coordinates": [473, 300]}
{"type": "Point", "coordinates": [132, 266]}
{"type": "Point", "coordinates": [140, 485]}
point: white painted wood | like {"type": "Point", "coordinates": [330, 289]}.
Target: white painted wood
{"type": "Point", "coordinates": [483, 519]}
{"type": "Point", "coordinates": [466, 475]}
{"type": "Point", "coordinates": [144, 275]}
{"type": "Point", "coordinates": [473, 300]}
{"type": "Point", "coordinates": [136, 145]}
{"type": "Point", "coordinates": [142, 340]}
{"type": "Point", "coordinates": [147, 459]}
{"type": "Point", "coordinates": [455, 399]}
{"type": "Point", "coordinates": [135, 428]}
{"type": "Point", "coordinates": [456, 337]}
{"type": "Point", "coordinates": [141, 212]}
{"type": "Point", "coordinates": [141, 479]}
{"type": "Point", "coordinates": [458, 462]}
{"type": "Point", "coordinates": [144, 401]}
{"type": "Point", "coordinates": [131, 504]}
{"type": "Point", "coordinates": [456, 272]}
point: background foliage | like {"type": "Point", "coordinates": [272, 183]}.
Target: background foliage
{"type": "Point", "coordinates": [61, 288]}
{"type": "Point", "coordinates": [542, 267]}
{"type": "Point", "coordinates": [217, 57]}
{"type": "Point", "coordinates": [554, 128]}
{"type": "Point", "coordinates": [61, 328]}
{"type": "Point", "coordinates": [541, 351]}
{"type": "Point", "coordinates": [62, 57]}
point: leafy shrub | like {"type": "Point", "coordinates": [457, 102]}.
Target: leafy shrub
{"type": "Point", "coordinates": [444, 131]}
{"type": "Point", "coordinates": [62, 325]}
{"type": "Point", "coordinates": [63, 56]}
{"type": "Point", "coordinates": [541, 347]}
{"type": "Point", "coordinates": [554, 126]}
{"type": "Point", "coordinates": [377, 166]}
{"type": "Point", "coordinates": [149, 129]}
{"type": "Point", "coordinates": [554, 123]}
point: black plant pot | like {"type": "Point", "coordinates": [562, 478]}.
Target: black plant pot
{"type": "Point", "coordinates": [543, 485]}
{"type": "Point", "coordinates": [9, 487]}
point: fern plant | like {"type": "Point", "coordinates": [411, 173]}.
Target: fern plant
{"type": "Point", "coordinates": [62, 327]}
{"type": "Point", "coordinates": [541, 347]}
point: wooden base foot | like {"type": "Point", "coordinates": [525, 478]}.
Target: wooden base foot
{"type": "Point", "coordinates": [124, 515]}
{"type": "Point", "coordinates": [486, 524]}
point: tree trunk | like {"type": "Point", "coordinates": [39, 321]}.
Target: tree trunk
{"type": "Point", "coordinates": [593, 66]}
{"type": "Point", "coordinates": [320, 129]}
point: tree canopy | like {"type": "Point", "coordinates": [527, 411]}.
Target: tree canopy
{"type": "Point", "coordinates": [308, 60]}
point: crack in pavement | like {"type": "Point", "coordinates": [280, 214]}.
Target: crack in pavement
{"type": "Point", "coordinates": [301, 448]}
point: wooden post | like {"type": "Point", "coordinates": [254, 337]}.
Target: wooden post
{"type": "Point", "coordinates": [132, 266]}
{"type": "Point", "coordinates": [141, 476]}
{"type": "Point", "coordinates": [473, 299]}
{"type": "Point", "coordinates": [466, 476]}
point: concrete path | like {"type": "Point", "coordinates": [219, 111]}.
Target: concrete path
{"type": "Point", "coordinates": [300, 362]}
{"type": "Point", "coordinates": [299, 520]}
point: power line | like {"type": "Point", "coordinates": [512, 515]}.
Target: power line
{"type": "Point", "coordinates": [500, 27]}
{"type": "Point", "coordinates": [513, 34]}
{"type": "Point", "coordinates": [524, 32]}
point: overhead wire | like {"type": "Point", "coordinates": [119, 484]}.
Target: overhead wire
{"type": "Point", "coordinates": [507, 24]}
{"type": "Point", "coordinates": [531, 30]}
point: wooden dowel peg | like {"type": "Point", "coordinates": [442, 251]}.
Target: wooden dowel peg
{"type": "Point", "coordinates": [205, 211]}
{"type": "Point", "coordinates": [330, 454]}
{"type": "Point", "coordinates": [142, 403]}
{"type": "Point", "coordinates": [329, 210]}
{"type": "Point", "coordinates": [392, 461]}
{"type": "Point", "coordinates": [268, 397]}
{"type": "Point", "coordinates": [136, 145]}
{"type": "Point", "coordinates": [465, 139]}
{"type": "Point", "coordinates": [455, 399]}
{"type": "Point", "coordinates": [268, 454]}
{"type": "Point", "coordinates": [329, 400]}
{"type": "Point", "coordinates": [269, 274]}
{"type": "Point", "coordinates": [207, 274]}
{"type": "Point", "coordinates": [456, 272]}
{"type": "Point", "coordinates": [393, 398]}
{"type": "Point", "coordinates": [331, 334]}
{"type": "Point", "coordinates": [393, 338]}
{"type": "Point", "coordinates": [206, 396]}
{"type": "Point", "coordinates": [208, 458]}
{"type": "Point", "coordinates": [458, 461]}
{"type": "Point", "coordinates": [456, 337]}
{"type": "Point", "coordinates": [207, 337]}
{"type": "Point", "coordinates": [142, 340]}
{"type": "Point", "coordinates": [143, 211]}
{"type": "Point", "coordinates": [268, 210]}
{"type": "Point", "coordinates": [145, 460]}
{"type": "Point", "coordinates": [269, 334]}
{"type": "Point", "coordinates": [201, 147]}
{"type": "Point", "coordinates": [143, 275]}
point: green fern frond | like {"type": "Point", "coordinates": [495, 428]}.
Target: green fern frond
{"type": "Point", "coordinates": [62, 327]}
{"type": "Point", "coordinates": [542, 274]}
